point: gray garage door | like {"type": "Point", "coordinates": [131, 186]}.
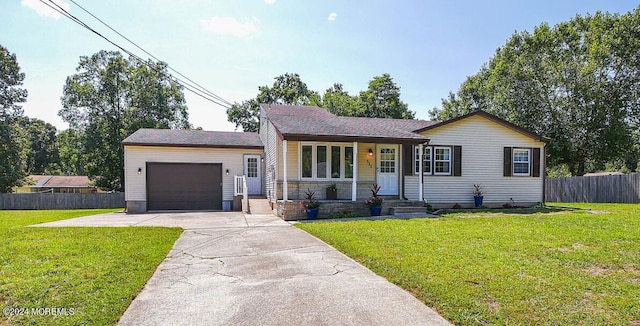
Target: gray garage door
{"type": "Point", "coordinates": [184, 186]}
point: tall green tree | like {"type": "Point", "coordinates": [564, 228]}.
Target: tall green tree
{"type": "Point", "coordinates": [13, 145]}
{"type": "Point", "coordinates": [577, 82]}
{"type": "Point", "coordinates": [382, 100]}
{"type": "Point", "coordinates": [111, 97]}
{"type": "Point", "coordinates": [42, 157]}
{"type": "Point", "coordinates": [286, 89]}
{"type": "Point", "coordinates": [71, 149]}
{"type": "Point", "coordinates": [338, 101]}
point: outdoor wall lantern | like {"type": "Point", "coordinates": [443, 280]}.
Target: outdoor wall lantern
{"type": "Point", "coordinates": [226, 172]}
{"type": "Point", "coordinates": [139, 171]}
{"type": "Point", "coordinates": [370, 152]}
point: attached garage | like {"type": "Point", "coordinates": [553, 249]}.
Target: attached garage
{"type": "Point", "coordinates": [186, 169]}
{"type": "Point", "coordinates": [184, 186]}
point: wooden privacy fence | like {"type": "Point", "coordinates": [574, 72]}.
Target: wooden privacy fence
{"type": "Point", "coordinates": [61, 200]}
{"type": "Point", "coordinates": [624, 188]}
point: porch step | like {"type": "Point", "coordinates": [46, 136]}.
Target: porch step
{"type": "Point", "coordinates": [407, 209]}
{"type": "Point", "coordinates": [259, 206]}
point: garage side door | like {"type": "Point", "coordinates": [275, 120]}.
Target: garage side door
{"type": "Point", "coordinates": [184, 186]}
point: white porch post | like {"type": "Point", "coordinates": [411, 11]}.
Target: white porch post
{"type": "Point", "coordinates": [285, 186]}
{"type": "Point", "coordinates": [354, 183]}
{"type": "Point", "coordinates": [420, 167]}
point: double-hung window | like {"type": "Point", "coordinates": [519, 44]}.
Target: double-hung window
{"type": "Point", "coordinates": [426, 160]}
{"type": "Point", "coordinates": [326, 161]}
{"type": "Point", "coordinates": [521, 161]}
{"type": "Point", "coordinates": [442, 160]}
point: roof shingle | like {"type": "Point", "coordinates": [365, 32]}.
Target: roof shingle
{"type": "Point", "coordinates": [306, 122]}
{"type": "Point", "coordinates": [194, 138]}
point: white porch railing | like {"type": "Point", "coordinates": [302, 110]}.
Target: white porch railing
{"type": "Point", "coordinates": [238, 182]}
{"type": "Point", "coordinates": [240, 189]}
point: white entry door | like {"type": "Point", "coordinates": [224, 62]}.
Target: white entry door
{"type": "Point", "coordinates": [252, 174]}
{"type": "Point", "coordinates": [387, 170]}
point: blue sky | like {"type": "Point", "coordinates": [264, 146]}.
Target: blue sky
{"type": "Point", "coordinates": [231, 47]}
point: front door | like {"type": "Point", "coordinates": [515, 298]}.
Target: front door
{"type": "Point", "coordinates": [252, 174]}
{"type": "Point", "coordinates": [387, 170]}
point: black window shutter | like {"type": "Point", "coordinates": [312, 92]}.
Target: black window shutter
{"type": "Point", "coordinates": [507, 162]}
{"type": "Point", "coordinates": [536, 163]}
{"type": "Point", "coordinates": [457, 161]}
{"type": "Point", "coordinates": [407, 159]}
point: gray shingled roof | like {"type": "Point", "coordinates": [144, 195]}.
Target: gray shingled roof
{"type": "Point", "coordinates": [304, 122]}
{"type": "Point", "coordinates": [194, 138]}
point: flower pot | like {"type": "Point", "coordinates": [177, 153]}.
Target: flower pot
{"type": "Point", "coordinates": [375, 210]}
{"type": "Point", "coordinates": [332, 194]}
{"type": "Point", "coordinates": [477, 200]}
{"type": "Point", "coordinates": [312, 213]}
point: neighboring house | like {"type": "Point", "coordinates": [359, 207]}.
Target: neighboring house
{"type": "Point", "coordinates": [308, 147]}
{"type": "Point", "coordinates": [58, 184]}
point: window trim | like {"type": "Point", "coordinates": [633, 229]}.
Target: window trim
{"type": "Point", "coordinates": [513, 161]}
{"type": "Point", "coordinates": [450, 161]}
{"type": "Point", "coordinates": [314, 161]}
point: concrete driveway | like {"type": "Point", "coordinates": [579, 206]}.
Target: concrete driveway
{"type": "Point", "coordinates": [228, 269]}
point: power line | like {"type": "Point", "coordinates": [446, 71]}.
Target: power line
{"type": "Point", "coordinates": [151, 55]}
{"type": "Point", "coordinates": [207, 95]}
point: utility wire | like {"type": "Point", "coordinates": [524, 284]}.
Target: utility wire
{"type": "Point", "coordinates": [214, 99]}
{"type": "Point", "coordinates": [151, 55]}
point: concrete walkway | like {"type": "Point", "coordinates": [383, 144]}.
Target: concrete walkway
{"type": "Point", "coordinates": [228, 269]}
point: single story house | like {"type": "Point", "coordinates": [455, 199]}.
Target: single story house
{"type": "Point", "coordinates": [307, 147]}
{"type": "Point", "coordinates": [58, 184]}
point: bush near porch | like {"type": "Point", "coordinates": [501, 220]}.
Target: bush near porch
{"type": "Point", "coordinates": [522, 267]}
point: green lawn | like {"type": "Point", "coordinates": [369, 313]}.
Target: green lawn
{"type": "Point", "coordinates": [93, 273]}
{"type": "Point", "coordinates": [570, 267]}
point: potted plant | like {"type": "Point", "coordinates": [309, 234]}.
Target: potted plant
{"type": "Point", "coordinates": [375, 202]}
{"type": "Point", "coordinates": [477, 195]}
{"type": "Point", "coordinates": [310, 204]}
{"type": "Point", "coordinates": [332, 192]}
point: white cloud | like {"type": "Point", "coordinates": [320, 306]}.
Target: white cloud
{"type": "Point", "coordinates": [270, 2]}
{"type": "Point", "coordinates": [228, 26]}
{"type": "Point", "coordinates": [44, 10]}
{"type": "Point", "coordinates": [332, 16]}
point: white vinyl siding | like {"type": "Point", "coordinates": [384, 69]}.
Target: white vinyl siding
{"type": "Point", "coordinates": [482, 142]}
{"type": "Point", "coordinates": [270, 140]}
{"type": "Point", "coordinates": [138, 156]}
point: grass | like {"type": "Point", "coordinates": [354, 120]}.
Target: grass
{"type": "Point", "coordinates": [552, 266]}
{"type": "Point", "coordinates": [93, 273]}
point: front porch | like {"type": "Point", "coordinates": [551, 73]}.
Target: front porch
{"type": "Point", "coordinates": [293, 210]}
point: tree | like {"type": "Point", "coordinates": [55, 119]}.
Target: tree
{"type": "Point", "coordinates": [13, 148]}
{"type": "Point", "coordinates": [245, 115]}
{"type": "Point", "coordinates": [287, 89]}
{"type": "Point", "coordinates": [42, 157]}
{"type": "Point", "coordinates": [111, 97]}
{"type": "Point", "coordinates": [382, 100]}
{"type": "Point", "coordinates": [577, 82]}
{"type": "Point", "coordinates": [338, 101]}
{"type": "Point", "coordinates": [71, 149]}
